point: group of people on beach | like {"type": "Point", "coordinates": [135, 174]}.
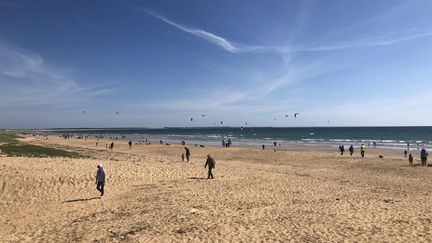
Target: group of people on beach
{"type": "Point", "coordinates": [423, 154]}
{"type": "Point", "coordinates": [210, 164]}
{"type": "Point", "coordinates": [423, 157]}
{"type": "Point", "coordinates": [226, 143]}
{"type": "Point", "coordinates": [186, 154]}
{"type": "Point", "coordinates": [351, 150]}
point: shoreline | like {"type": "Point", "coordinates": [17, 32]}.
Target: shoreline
{"type": "Point", "coordinates": [216, 137]}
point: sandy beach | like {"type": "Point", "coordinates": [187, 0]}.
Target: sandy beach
{"type": "Point", "coordinates": [298, 194]}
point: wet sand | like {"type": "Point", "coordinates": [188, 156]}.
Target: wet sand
{"type": "Point", "coordinates": [299, 194]}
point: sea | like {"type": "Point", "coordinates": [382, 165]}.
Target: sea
{"type": "Point", "coordinates": [383, 137]}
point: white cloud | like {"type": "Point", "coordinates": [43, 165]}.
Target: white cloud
{"type": "Point", "coordinates": [373, 41]}
{"type": "Point", "coordinates": [217, 40]}
{"type": "Point", "coordinates": [27, 80]}
{"type": "Point", "coordinates": [379, 40]}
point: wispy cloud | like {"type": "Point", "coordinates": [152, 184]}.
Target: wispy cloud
{"type": "Point", "coordinates": [378, 40]}
{"type": "Point", "coordinates": [217, 40]}
{"type": "Point", "coordinates": [27, 80]}
{"type": "Point", "coordinates": [372, 41]}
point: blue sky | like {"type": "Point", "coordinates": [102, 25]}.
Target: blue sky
{"type": "Point", "coordinates": [159, 63]}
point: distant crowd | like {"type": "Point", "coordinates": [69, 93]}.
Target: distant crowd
{"type": "Point", "coordinates": [423, 153]}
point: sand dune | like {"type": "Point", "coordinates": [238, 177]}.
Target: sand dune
{"type": "Point", "coordinates": [294, 194]}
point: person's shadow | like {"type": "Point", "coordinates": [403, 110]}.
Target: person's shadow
{"type": "Point", "coordinates": [196, 178]}
{"type": "Point", "coordinates": [81, 200]}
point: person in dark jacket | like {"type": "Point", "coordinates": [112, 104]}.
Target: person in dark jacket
{"type": "Point", "coordinates": [211, 164]}
{"type": "Point", "coordinates": [342, 149]}
{"type": "Point", "coordinates": [351, 150]}
{"type": "Point", "coordinates": [187, 153]}
{"type": "Point", "coordinates": [100, 179]}
{"type": "Point", "coordinates": [423, 155]}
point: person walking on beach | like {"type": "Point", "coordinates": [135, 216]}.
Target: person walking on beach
{"type": "Point", "coordinates": [130, 144]}
{"type": "Point", "coordinates": [362, 150]}
{"type": "Point", "coordinates": [183, 156]}
{"type": "Point", "coordinates": [405, 153]}
{"type": "Point", "coordinates": [423, 155]}
{"type": "Point", "coordinates": [411, 159]}
{"type": "Point", "coordinates": [100, 179]}
{"type": "Point", "coordinates": [111, 147]}
{"type": "Point", "coordinates": [263, 147]}
{"type": "Point", "coordinates": [211, 164]}
{"type": "Point", "coordinates": [187, 153]}
{"type": "Point", "coordinates": [342, 149]}
{"type": "Point", "coordinates": [351, 150]}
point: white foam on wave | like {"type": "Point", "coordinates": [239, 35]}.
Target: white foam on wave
{"type": "Point", "coordinates": [341, 140]}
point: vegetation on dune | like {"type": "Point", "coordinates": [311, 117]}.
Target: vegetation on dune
{"type": "Point", "coordinates": [8, 138]}
{"type": "Point", "coordinates": [10, 146]}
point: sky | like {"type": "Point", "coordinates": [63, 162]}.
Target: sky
{"type": "Point", "coordinates": [160, 63]}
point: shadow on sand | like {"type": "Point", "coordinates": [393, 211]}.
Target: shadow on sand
{"type": "Point", "coordinates": [81, 199]}
{"type": "Point", "coordinates": [196, 178]}
{"type": "Point", "coordinates": [417, 165]}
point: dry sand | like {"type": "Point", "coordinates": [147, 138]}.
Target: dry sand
{"type": "Point", "coordinates": [294, 194]}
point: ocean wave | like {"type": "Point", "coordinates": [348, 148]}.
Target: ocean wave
{"type": "Point", "coordinates": [340, 140]}
{"type": "Point", "coordinates": [214, 136]}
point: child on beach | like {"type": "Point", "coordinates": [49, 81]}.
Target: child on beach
{"type": "Point", "coordinates": [410, 159]}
